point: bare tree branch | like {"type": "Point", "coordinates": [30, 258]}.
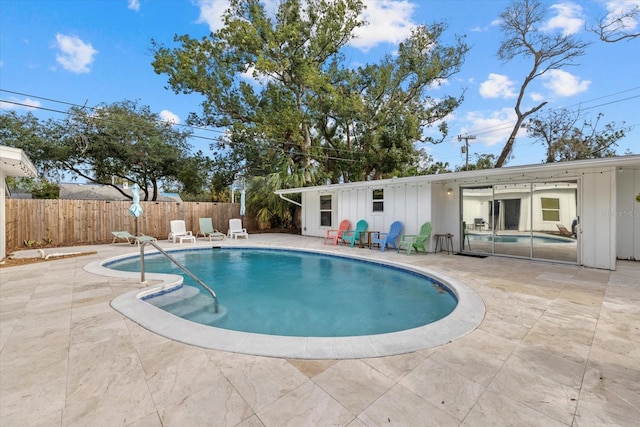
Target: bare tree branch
{"type": "Point", "coordinates": [521, 23]}
{"type": "Point", "coordinates": [618, 26]}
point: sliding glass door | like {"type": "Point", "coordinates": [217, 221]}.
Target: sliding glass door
{"type": "Point", "coordinates": [477, 224]}
{"type": "Point", "coordinates": [523, 220]}
{"type": "Point", "coordinates": [555, 209]}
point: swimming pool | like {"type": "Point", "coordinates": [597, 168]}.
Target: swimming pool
{"type": "Point", "coordinates": [465, 318]}
{"type": "Point", "coordinates": [294, 293]}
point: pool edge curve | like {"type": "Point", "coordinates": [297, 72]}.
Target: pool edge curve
{"type": "Point", "coordinates": [465, 318]}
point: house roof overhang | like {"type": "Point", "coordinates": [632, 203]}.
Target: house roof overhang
{"type": "Point", "coordinates": [549, 170]}
{"type": "Point", "coordinates": [14, 162]}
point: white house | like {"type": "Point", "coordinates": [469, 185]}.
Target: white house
{"type": "Point", "coordinates": [513, 211]}
{"type": "Point", "coordinates": [13, 162]}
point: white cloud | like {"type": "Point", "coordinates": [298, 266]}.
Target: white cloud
{"type": "Point", "coordinates": [562, 83]}
{"type": "Point", "coordinates": [169, 117]}
{"type": "Point", "coordinates": [211, 12]}
{"type": "Point", "coordinates": [19, 104]}
{"type": "Point", "coordinates": [75, 55]}
{"type": "Point", "coordinates": [536, 96]}
{"type": "Point", "coordinates": [493, 129]}
{"type": "Point", "coordinates": [271, 7]}
{"type": "Point", "coordinates": [569, 18]}
{"type": "Point", "coordinates": [497, 86]}
{"type": "Point", "coordinates": [255, 77]}
{"type": "Point", "coordinates": [437, 83]}
{"type": "Point", "coordinates": [480, 29]}
{"type": "Point", "coordinates": [134, 5]}
{"type": "Point", "coordinates": [388, 21]}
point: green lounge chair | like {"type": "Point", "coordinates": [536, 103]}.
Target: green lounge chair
{"type": "Point", "coordinates": [130, 238]}
{"type": "Point", "coordinates": [207, 230]}
{"type": "Point", "coordinates": [416, 241]}
{"type": "Point", "coordinates": [350, 236]}
{"type": "Point", "coordinates": [387, 239]}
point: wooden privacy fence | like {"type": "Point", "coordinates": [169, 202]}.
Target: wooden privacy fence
{"type": "Point", "coordinates": [79, 222]}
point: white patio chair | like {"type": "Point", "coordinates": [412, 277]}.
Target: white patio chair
{"type": "Point", "coordinates": [235, 229]}
{"type": "Point", "coordinates": [179, 231]}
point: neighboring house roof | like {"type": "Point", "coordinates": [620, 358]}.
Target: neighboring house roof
{"type": "Point", "coordinates": [18, 195]}
{"type": "Point", "coordinates": [617, 161]}
{"type": "Point", "coordinates": [73, 191]}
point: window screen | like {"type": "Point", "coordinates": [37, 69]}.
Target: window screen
{"type": "Point", "coordinates": [378, 200]}
{"type": "Point", "coordinates": [325, 211]}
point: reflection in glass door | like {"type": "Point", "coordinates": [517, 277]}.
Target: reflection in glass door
{"type": "Point", "coordinates": [477, 222]}
{"type": "Point", "coordinates": [512, 224]}
{"type": "Point", "coordinates": [522, 220]}
{"type": "Point", "coordinates": [555, 207]}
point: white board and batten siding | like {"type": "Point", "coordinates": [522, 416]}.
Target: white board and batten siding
{"type": "Point", "coordinates": [409, 203]}
{"type": "Point", "coordinates": [607, 188]}
{"type": "Point", "coordinates": [627, 214]}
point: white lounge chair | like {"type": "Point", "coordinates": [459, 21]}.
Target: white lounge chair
{"type": "Point", "coordinates": [235, 229]}
{"type": "Point", "coordinates": [207, 230]}
{"type": "Point", "coordinates": [179, 232]}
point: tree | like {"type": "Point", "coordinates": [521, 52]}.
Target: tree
{"type": "Point", "coordinates": [38, 187]}
{"type": "Point", "coordinates": [397, 105]}
{"type": "Point", "coordinates": [521, 25]}
{"type": "Point", "coordinates": [107, 145]}
{"type": "Point", "coordinates": [482, 161]}
{"type": "Point", "coordinates": [618, 25]}
{"type": "Point", "coordinates": [22, 131]}
{"type": "Point", "coordinates": [567, 136]}
{"type": "Point", "coordinates": [193, 176]}
{"type": "Point", "coordinates": [437, 168]}
{"type": "Point", "coordinates": [286, 56]}
{"type": "Point", "coordinates": [291, 106]}
{"type": "Point", "coordinates": [271, 210]}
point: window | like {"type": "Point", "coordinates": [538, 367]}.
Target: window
{"type": "Point", "coordinates": [325, 211]}
{"type": "Point", "coordinates": [378, 200]}
{"type": "Point", "coordinates": [550, 209]}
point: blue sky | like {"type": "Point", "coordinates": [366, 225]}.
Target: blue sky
{"type": "Point", "coordinates": [55, 53]}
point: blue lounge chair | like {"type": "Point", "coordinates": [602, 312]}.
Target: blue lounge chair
{"type": "Point", "coordinates": [387, 239]}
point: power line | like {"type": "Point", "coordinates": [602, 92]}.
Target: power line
{"type": "Point", "coordinates": [191, 127]}
{"type": "Point", "coordinates": [82, 107]}
{"type": "Point", "coordinates": [310, 155]}
{"type": "Point", "coordinates": [507, 125]}
{"type": "Point", "coordinates": [481, 131]}
{"type": "Point", "coordinates": [113, 121]}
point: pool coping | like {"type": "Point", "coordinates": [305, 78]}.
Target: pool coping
{"type": "Point", "coordinates": [465, 318]}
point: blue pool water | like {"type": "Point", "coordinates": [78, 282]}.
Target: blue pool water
{"type": "Point", "coordinates": [291, 293]}
{"type": "Point", "coordinates": [504, 238]}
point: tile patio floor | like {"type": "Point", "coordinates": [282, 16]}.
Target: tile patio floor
{"type": "Point", "coordinates": [559, 346]}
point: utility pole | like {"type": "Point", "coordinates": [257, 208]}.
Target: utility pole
{"type": "Point", "coordinates": [465, 149]}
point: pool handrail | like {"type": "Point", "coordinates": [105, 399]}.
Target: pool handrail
{"type": "Point", "coordinates": [180, 266]}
